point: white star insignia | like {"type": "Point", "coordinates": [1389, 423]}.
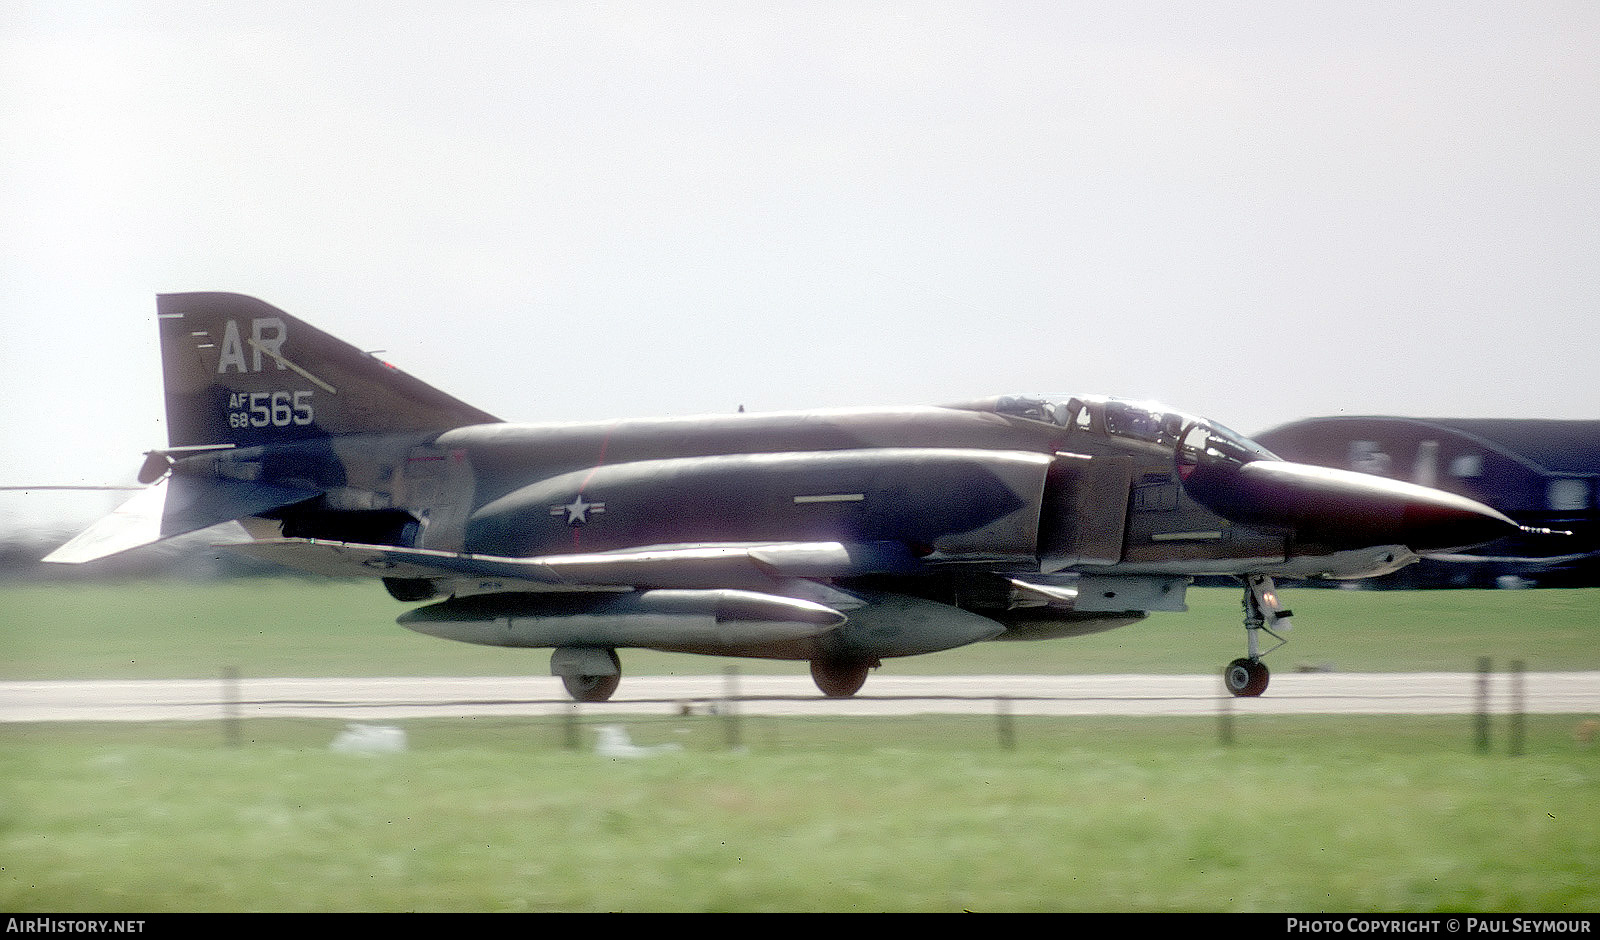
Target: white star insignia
{"type": "Point", "coordinates": [577, 511]}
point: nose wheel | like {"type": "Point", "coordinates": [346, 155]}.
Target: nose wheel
{"type": "Point", "coordinates": [1247, 677]}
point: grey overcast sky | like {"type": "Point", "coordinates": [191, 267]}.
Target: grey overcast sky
{"type": "Point", "coordinates": [562, 211]}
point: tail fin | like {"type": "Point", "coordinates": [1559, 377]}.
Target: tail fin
{"type": "Point", "coordinates": [242, 372]}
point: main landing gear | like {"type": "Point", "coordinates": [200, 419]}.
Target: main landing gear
{"type": "Point", "coordinates": [841, 678]}
{"type": "Point", "coordinates": [590, 674]}
{"type": "Point", "coordinates": [1247, 677]}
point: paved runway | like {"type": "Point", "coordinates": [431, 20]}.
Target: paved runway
{"type": "Point", "coordinates": [360, 699]}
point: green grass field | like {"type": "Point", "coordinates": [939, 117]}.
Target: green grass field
{"type": "Point", "coordinates": [1310, 814]}
{"type": "Point", "coordinates": [918, 814]}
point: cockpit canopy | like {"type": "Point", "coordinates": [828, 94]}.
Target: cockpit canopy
{"type": "Point", "coordinates": [1191, 438]}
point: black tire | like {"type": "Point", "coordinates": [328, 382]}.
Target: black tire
{"type": "Point", "coordinates": [839, 678]}
{"type": "Point", "coordinates": [594, 688]}
{"type": "Point", "coordinates": [410, 589]}
{"type": "Point", "coordinates": [1246, 678]}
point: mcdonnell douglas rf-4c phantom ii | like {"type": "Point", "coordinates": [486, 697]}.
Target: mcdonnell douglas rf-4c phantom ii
{"type": "Point", "coordinates": [838, 537]}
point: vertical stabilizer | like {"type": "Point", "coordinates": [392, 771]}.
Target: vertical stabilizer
{"type": "Point", "coordinates": [242, 372]}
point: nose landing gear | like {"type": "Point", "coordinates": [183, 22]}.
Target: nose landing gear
{"type": "Point", "coordinates": [1247, 677]}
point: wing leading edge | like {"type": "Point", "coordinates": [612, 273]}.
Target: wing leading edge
{"type": "Point", "coordinates": [666, 566]}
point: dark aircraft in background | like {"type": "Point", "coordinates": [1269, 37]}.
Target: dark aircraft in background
{"type": "Point", "coordinates": [838, 537]}
{"type": "Point", "coordinates": [1540, 472]}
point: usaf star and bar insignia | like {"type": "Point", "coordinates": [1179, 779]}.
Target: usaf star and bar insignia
{"type": "Point", "coordinates": [578, 511]}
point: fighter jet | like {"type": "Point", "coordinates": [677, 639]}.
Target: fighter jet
{"type": "Point", "coordinates": [840, 537]}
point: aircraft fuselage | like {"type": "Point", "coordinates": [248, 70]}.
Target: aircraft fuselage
{"type": "Point", "coordinates": [837, 536]}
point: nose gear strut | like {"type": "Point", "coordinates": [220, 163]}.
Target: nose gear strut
{"type": "Point", "coordinates": [1248, 677]}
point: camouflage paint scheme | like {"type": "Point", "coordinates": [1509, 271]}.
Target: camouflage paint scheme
{"type": "Point", "coordinates": [841, 537]}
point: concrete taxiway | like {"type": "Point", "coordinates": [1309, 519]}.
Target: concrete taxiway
{"type": "Point", "coordinates": [409, 697]}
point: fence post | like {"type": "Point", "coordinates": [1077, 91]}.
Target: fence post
{"type": "Point", "coordinates": [569, 726]}
{"type": "Point", "coordinates": [730, 707]}
{"type": "Point", "coordinates": [1483, 705]}
{"type": "Point", "coordinates": [230, 706]}
{"type": "Point", "coordinates": [1006, 726]}
{"type": "Point", "coordinates": [1517, 725]}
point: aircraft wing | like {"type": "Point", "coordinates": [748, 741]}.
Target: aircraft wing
{"type": "Point", "coordinates": [1530, 560]}
{"type": "Point", "coordinates": [663, 566]}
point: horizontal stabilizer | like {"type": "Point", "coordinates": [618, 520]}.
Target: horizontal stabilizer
{"type": "Point", "coordinates": [176, 505]}
{"type": "Point", "coordinates": [661, 567]}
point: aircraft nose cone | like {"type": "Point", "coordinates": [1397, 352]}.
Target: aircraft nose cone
{"type": "Point", "coordinates": [1440, 521]}
{"type": "Point", "coordinates": [1342, 509]}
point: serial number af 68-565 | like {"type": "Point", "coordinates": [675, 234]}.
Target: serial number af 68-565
{"type": "Point", "coordinates": [270, 409]}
